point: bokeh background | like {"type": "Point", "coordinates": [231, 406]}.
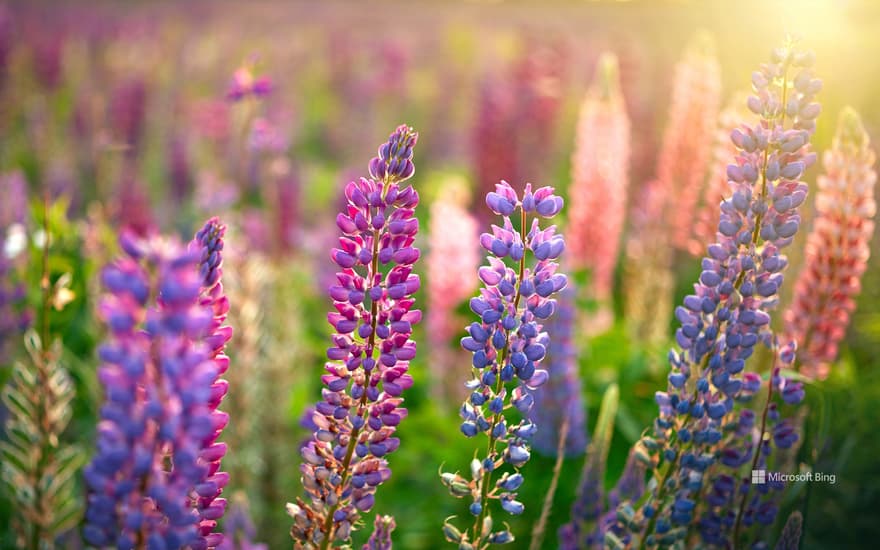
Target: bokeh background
{"type": "Point", "coordinates": [120, 110]}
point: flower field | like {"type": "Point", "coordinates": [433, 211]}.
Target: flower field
{"type": "Point", "coordinates": [578, 275]}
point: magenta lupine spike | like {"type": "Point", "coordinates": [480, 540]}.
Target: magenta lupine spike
{"type": "Point", "coordinates": [157, 371]}
{"type": "Point", "coordinates": [380, 539]}
{"type": "Point", "coordinates": [687, 142]}
{"type": "Point", "coordinates": [508, 344]}
{"type": "Point", "coordinates": [208, 246]}
{"type": "Point", "coordinates": [493, 142]}
{"type": "Point", "coordinates": [345, 461]}
{"type": "Point", "coordinates": [452, 248]}
{"type": "Point", "coordinates": [600, 177]}
{"type": "Point", "coordinates": [716, 188]}
{"type": "Point", "coordinates": [720, 325]}
{"type": "Point", "coordinates": [837, 248]}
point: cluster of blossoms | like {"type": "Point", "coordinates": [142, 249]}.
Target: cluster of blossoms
{"type": "Point", "coordinates": [687, 143]}
{"type": "Point", "coordinates": [600, 177]}
{"type": "Point", "coordinates": [154, 480]}
{"type": "Point", "coordinates": [245, 84]}
{"type": "Point", "coordinates": [380, 538]}
{"type": "Point", "coordinates": [682, 164]}
{"type": "Point", "coordinates": [591, 515]}
{"type": "Point", "coordinates": [699, 472]}
{"type": "Point", "coordinates": [367, 372]}
{"type": "Point", "coordinates": [508, 345]}
{"type": "Point", "coordinates": [837, 248]}
{"type": "Point", "coordinates": [560, 399]}
{"type": "Point", "coordinates": [453, 251]}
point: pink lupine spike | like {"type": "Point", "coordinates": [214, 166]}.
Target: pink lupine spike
{"type": "Point", "coordinates": [837, 248]}
{"type": "Point", "coordinates": [600, 177]}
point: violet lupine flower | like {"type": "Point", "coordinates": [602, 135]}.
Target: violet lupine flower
{"type": "Point", "coordinates": [600, 177]}
{"type": "Point", "coordinates": [238, 528]}
{"type": "Point", "coordinates": [790, 537]}
{"type": "Point", "coordinates": [346, 459]}
{"type": "Point", "coordinates": [452, 250]}
{"type": "Point", "coordinates": [208, 245]}
{"type": "Point", "coordinates": [380, 539]}
{"type": "Point", "coordinates": [245, 84]}
{"type": "Point", "coordinates": [158, 374]}
{"type": "Point", "coordinates": [687, 142]}
{"type": "Point", "coordinates": [837, 248]}
{"type": "Point", "coordinates": [508, 345]}
{"type": "Point", "coordinates": [561, 397]}
{"type": "Point", "coordinates": [726, 317]}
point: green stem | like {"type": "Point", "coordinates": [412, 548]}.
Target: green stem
{"type": "Point", "coordinates": [485, 483]}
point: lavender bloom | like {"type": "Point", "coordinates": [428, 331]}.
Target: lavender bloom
{"type": "Point", "coordinates": [239, 530]}
{"type": "Point", "coordinates": [561, 396]}
{"type": "Point", "coordinates": [369, 358]}
{"type": "Point", "coordinates": [157, 373]}
{"type": "Point", "coordinates": [508, 345]}
{"type": "Point", "coordinates": [380, 539]}
{"type": "Point", "coordinates": [722, 322]}
{"type": "Point", "coordinates": [791, 534]}
{"type": "Point", "coordinates": [208, 244]}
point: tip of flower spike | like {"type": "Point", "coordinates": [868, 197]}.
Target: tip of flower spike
{"type": "Point", "coordinates": [702, 44]}
{"type": "Point", "coordinates": [850, 129]}
{"type": "Point", "coordinates": [607, 77]}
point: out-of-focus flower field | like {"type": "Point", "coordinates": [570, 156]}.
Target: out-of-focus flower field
{"type": "Point", "coordinates": [121, 122]}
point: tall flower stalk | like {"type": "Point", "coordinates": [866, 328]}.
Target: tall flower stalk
{"type": "Point", "coordinates": [153, 481]}
{"type": "Point", "coordinates": [345, 462]}
{"type": "Point", "coordinates": [705, 434]}
{"type": "Point", "coordinates": [508, 345]}
{"type": "Point", "coordinates": [452, 250]}
{"type": "Point", "coordinates": [837, 248]}
{"type": "Point", "coordinates": [600, 178]}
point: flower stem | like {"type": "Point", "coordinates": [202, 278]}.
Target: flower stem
{"type": "Point", "coordinates": [485, 483]}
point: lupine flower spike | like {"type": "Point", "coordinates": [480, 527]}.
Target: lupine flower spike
{"type": "Point", "coordinates": [345, 460]}
{"type": "Point", "coordinates": [380, 539]}
{"type": "Point", "coordinates": [508, 345]}
{"type": "Point", "coordinates": [453, 250]}
{"type": "Point", "coordinates": [152, 480]}
{"type": "Point", "coordinates": [600, 178]}
{"type": "Point", "coordinates": [837, 248]}
{"type": "Point", "coordinates": [208, 244]}
{"type": "Point", "coordinates": [700, 476]}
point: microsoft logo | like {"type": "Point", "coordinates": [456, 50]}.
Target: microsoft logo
{"type": "Point", "coordinates": [759, 477]}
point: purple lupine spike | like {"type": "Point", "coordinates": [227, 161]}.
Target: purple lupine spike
{"type": "Point", "coordinates": [395, 156]}
{"type": "Point", "coordinates": [157, 372]}
{"type": "Point", "coordinates": [238, 527]}
{"type": "Point", "coordinates": [208, 246]}
{"type": "Point", "coordinates": [721, 324]}
{"type": "Point", "coordinates": [508, 344]}
{"type": "Point", "coordinates": [561, 397]}
{"type": "Point", "coordinates": [380, 539]}
{"type": "Point", "coordinates": [373, 316]}
{"type": "Point", "coordinates": [15, 317]}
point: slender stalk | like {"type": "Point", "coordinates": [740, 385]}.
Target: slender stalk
{"type": "Point", "coordinates": [42, 416]}
{"type": "Point", "coordinates": [499, 385]}
{"type": "Point", "coordinates": [538, 531]}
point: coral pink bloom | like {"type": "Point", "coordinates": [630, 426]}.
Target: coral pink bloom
{"type": "Point", "coordinates": [600, 177]}
{"type": "Point", "coordinates": [837, 248]}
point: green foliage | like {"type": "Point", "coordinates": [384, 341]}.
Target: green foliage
{"type": "Point", "coordinates": [39, 470]}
